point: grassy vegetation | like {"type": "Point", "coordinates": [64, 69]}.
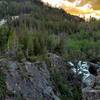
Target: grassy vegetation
{"type": "Point", "coordinates": [68, 92]}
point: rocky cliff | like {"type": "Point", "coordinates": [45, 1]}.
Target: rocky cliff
{"type": "Point", "coordinates": [26, 81]}
{"type": "Point", "coordinates": [40, 80]}
{"type": "Point", "coordinates": [49, 79]}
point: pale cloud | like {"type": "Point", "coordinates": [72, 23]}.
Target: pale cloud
{"type": "Point", "coordinates": [58, 3]}
{"type": "Point", "coordinates": [74, 7]}
{"type": "Point", "coordinates": [53, 3]}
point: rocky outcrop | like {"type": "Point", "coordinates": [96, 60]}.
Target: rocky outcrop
{"type": "Point", "coordinates": [27, 81]}
{"type": "Point", "coordinates": [51, 79]}
{"type": "Point", "coordinates": [93, 92]}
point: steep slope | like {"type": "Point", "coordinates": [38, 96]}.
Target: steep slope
{"type": "Point", "coordinates": [36, 46]}
{"type": "Point", "coordinates": [60, 32]}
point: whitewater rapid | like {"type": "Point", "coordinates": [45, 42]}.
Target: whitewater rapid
{"type": "Point", "coordinates": [4, 21]}
{"type": "Point", "coordinates": [82, 68]}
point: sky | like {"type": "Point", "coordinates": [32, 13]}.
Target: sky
{"type": "Point", "coordinates": [77, 7]}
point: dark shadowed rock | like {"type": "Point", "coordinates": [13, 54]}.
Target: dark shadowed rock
{"type": "Point", "coordinates": [93, 69]}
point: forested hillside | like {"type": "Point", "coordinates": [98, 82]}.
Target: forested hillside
{"type": "Point", "coordinates": [40, 29]}
{"type": "Point", "coordinates": [35, 46]}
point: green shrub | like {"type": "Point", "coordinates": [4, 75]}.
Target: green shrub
{"type": "Point", "coordinates": [20, 55]}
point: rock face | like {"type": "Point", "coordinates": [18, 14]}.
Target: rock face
{"type": "Point", "coordinates": [90, 93]}
{"type": "Point", "coordinates": [27, 81]}
{"type": "Point", "coordinates": [51, 79]}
